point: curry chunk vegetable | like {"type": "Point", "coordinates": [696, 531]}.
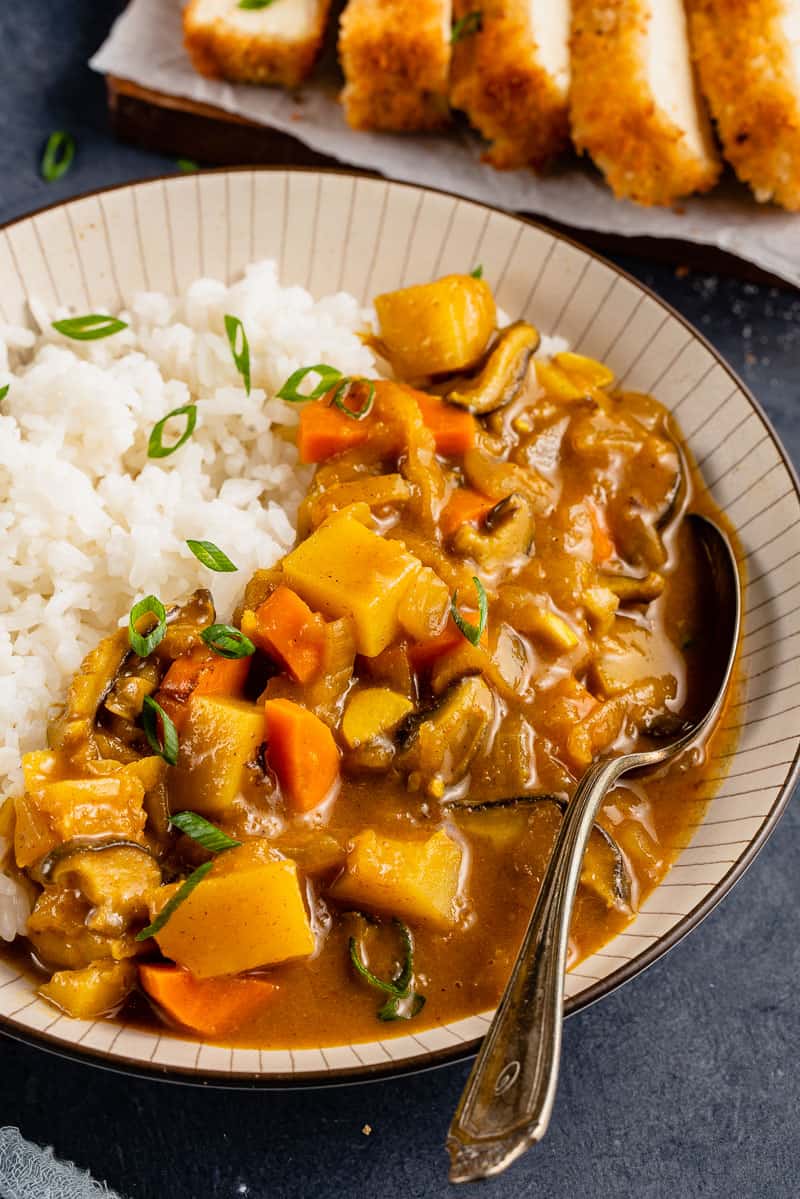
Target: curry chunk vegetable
{"type": "Point", "coordinates": [336, 810]}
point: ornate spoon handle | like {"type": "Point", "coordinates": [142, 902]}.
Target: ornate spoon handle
{"type": "Point", "coordinates": [508, 1099]}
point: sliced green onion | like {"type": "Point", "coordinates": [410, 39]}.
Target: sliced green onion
{"type": "Point", "coordinates": [183, 892]}
{"type": "Point", "coordinates": [58, 155]}
{"type": "Point", "coordinates": [472, 632]}
{"type": "Point", "coordinates": [241, 356]}
{"type": "Point", "coordinates": [165, 745]}
{"type": "Point", "coordinates": [187, 165]}
{"type": "Point", "coordinates": [470, 23]}
{"type": "Point", "coordinates": [156, 447]}
{"type": "Point", "coordinates": [477, 273]}
{"type": "Point", "coordinates": [291, 388]}
{"type": "Point", "coordinates": [228, 641]}
{"type": "Point", "coordinates": [211, 556]}
{"type": "Point", "coordinates": [256, 4]}
{"type": "Point", "coordinates": [339, 395]}
{"type": "Point", "coordinates": [203, 832]}
{"type": "Point", "coordinates": [4, 392]}
{"type": "Point", "coordinates": [403, 1003]}
{"type": "Point", "coordinates": [397, 1008]}
{"type": "Point", "coordinates": [145, 644]}
{"type": "Point", "coordinates": [91, 327]}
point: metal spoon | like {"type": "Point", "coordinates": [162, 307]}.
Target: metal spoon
{"type": "Point", "coordinates": [508, 1100]}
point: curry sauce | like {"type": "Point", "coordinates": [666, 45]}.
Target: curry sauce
{"type": "Point", "coordinates": [327, 821]}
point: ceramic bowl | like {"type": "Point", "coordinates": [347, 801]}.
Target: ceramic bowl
{"type": "Point", "coordinates": [331, 231]}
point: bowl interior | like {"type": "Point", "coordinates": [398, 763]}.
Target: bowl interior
{"type": "Point", "coordinates": [335, 231]}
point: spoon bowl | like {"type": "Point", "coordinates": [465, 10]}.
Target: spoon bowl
{"type": "Point", "coordinates": [508, 1100]}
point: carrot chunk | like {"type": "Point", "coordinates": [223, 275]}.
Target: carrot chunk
{"type": "Point", "coordinates": [464, 506]}
{"type": "Point", "coordinates": [325, 431]}
{"type": "Point", "coordinates": [422, 654]}
{"type": "Point", "coordinates": [302, 752]}
{"type": "Point", "coordinates": [211, 1007]}
{"type": "Point", "coordinates": [200, 672]}
{"type": "Point", "coordinates": [285, 627]}
{"type": "Point", "coordinates": [602, 544]}
{"type": "Point", "coordinates": [453, 428]}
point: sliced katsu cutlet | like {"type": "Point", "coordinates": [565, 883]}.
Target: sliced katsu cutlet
{"type": "Point", "coordinates": [395, 55]}
{"type": "Point", "coordinates": [275, 44]}
{"type": "Point", "coordinates": [635, 106]}
{"type": "Point", "coordinates": [510, 75]}
{"type": "Point", "coordinates": [748, 57]}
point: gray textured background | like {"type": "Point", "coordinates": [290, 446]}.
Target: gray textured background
{"type": "Point", "coordinates": [682, 1084]}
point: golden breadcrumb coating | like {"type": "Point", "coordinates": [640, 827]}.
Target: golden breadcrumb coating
{"type": "Point", "coordinates": [395, 55]}
{"type": "Point", "coordinates": [498, 81]}
{"type": "Point", "coordinates": [614, 117]}
{"type": "Point", "coordinates": [231, 46]}
{"type": "Point", "coordinates": [743, 59]}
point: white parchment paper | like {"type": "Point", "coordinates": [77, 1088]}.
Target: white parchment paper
{"type": "Point", "coordinates": [146, 46]}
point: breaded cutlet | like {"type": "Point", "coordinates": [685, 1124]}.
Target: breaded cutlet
{"type": "Point", "coordinates": [276, 44]}
{"type": "Point", "coordinates": [748, 58]}
{"type": "Point", "coordinates": [635, 106]}
{"type": "Point", "coordinates": [395, 55]}
{"type": "Point", "coordinates": [511, 77]}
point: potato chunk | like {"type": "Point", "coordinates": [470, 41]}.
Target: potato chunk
{"type": "Point", "coordinates": [415, 880]}
{"type": "Point", "coordinates": [436, 327]}
{"type": "Point", "coordinates": [373, 712]}
{"type": "Point", "coordinates": [94, 991]}
{"type": "Point", "coordinates": [344, 569]}
{"type": "Point", "coordinates": [248, 912]}
{"type": "Point", "coordinates": [109, 805]}
{"type": "Point", "coordinates": [219, 738]}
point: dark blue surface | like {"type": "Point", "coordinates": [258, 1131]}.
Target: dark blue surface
{"type": "Point", "coordinates": [683, 1084]}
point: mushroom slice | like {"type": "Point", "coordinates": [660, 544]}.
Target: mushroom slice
{"type": "Point", "coordinates": [632, 590]}
{"type": "Point", "coordinates": [186, 623]}
{"type": "Point", "coordinates": [503, 374]}
{"type": "Point", "coordinates": [436, 747]}
{"type": "Point", "coordinates": [117, 881]}
{"type": "Point", "coordinates": [87, 692]}
{"type": "Point", "coordinates": [506, 534]}
{"type": "Point", "coordinates": [615, 890]}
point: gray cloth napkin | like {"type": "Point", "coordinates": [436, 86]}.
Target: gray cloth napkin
{"type": "Point", "coordinates": [29, 1172]}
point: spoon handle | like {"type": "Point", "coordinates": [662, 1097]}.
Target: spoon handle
{"type": "Point", "coordinates": [507, 1102]}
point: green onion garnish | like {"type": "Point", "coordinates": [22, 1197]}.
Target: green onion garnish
{"type": "Point", "coordinates": [165, 744]}
{"type": "Point", "coordinates": [227, 641]}
{"type": "Point", "coordinates": [143, 645]}
{"type": "Point", "coordinates": [477, 273]}
{"type": "Point", "coordinates": [58, 155]}
{"type": "Point", "coordinates": [183, 892]}
{"type": "Point", "coordinates": [187, 165]}
{"type": "Point", "coordinates": [156, 447]}
{"type": "Point", "coordinates": [203, 832]}
{"type": "Point", "coordinates": [472, 632]}
{"type": "Point", "coordinates": [404, 1003]}
{"type": "Point", "coordinates": [255, 3]}
{"type": "Point", "coordinates": [291, 388]}
{"type": "Point", "coordinates": [338, 398]}
{"type": "Point", "coordinates": [91, 327]}
{"type": "Point", "coordinates": [402, 1007]}
{"type": "Point", "coordinates": [4, 392]}
{"type": "Point", "coordinates": [241, 356]}
{"type": "Point", "coordinates": [211, 556]}
{"type": "Point", "coordinates": [470, 23]}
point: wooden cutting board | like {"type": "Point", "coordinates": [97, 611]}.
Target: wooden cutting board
{"type": "Point", "coordinates": [212, 137]}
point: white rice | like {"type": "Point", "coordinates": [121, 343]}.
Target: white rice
{"type": "Point", "coordinates": [88, 523]}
